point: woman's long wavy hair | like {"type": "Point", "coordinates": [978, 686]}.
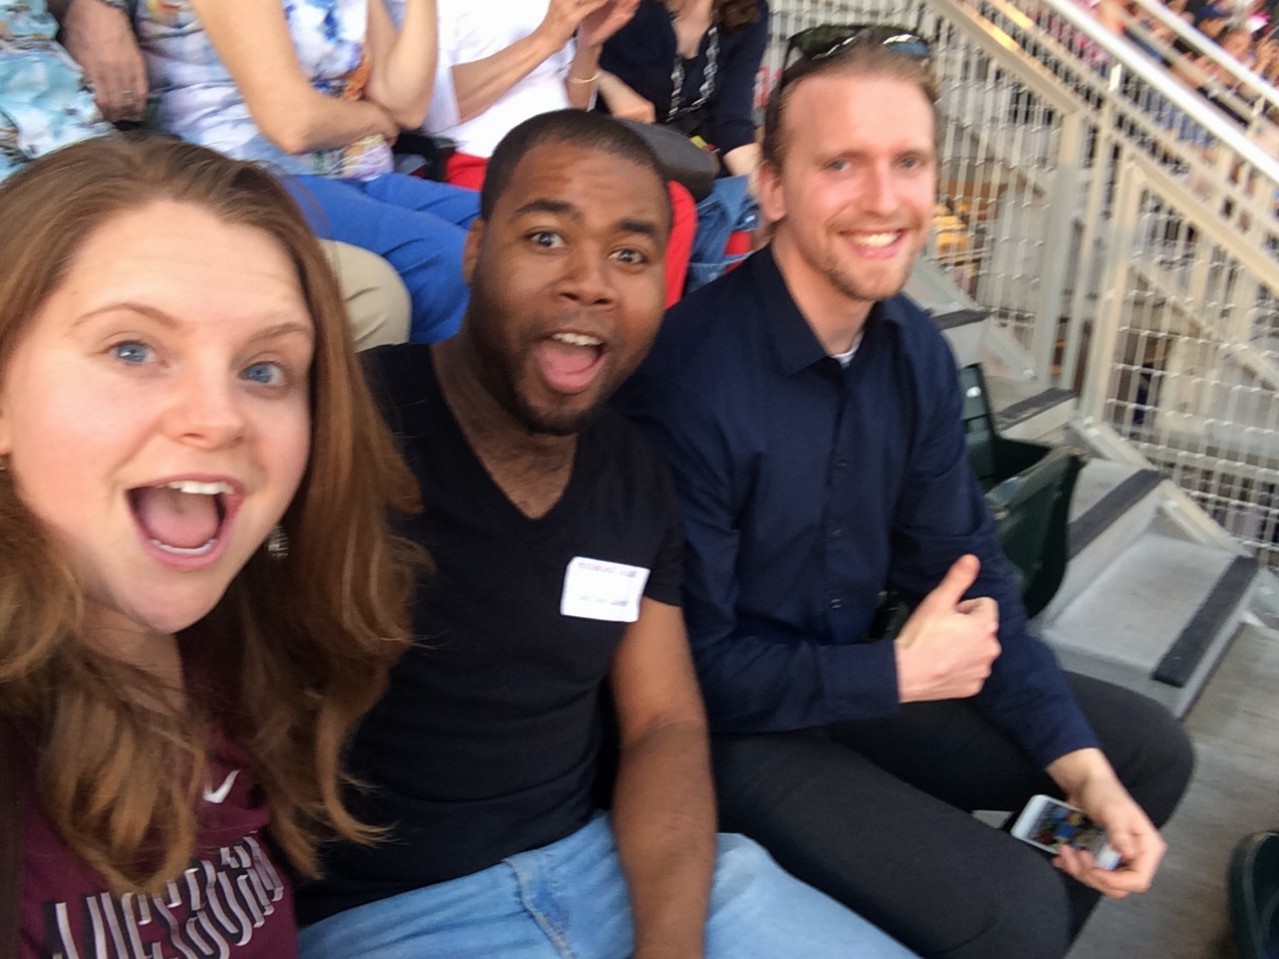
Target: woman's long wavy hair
{"type": "Point", "coordinates": [294, 652]}
{"type": "Point", "coordinates": [728, 14]}
{"type": "Point", "coordinates": [735, 14]}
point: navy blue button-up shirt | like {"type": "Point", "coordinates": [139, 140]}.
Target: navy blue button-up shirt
{"type": "Point", "coordinates": [807, 490]}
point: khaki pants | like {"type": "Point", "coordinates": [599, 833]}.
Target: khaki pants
{"type": "Point", "coordinates": [377, 301]}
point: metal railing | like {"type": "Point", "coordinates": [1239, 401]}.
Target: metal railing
{"type": "Point", "coordinates": [1120, 229]}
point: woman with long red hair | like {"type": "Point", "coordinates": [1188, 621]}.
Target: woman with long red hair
{"type": "Point", "coordinates": [199, 594]}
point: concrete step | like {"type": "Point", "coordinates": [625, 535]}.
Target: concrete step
{"type": "Point", "coordinates": [1156, 619]}
{"type": "Point", "coordinates": [1113, 504]}
{"type": "Point", "coordinates": [963, 329]}
{"type": "Point", "coordinates": [1141, 604]}
{"type": "Point", "coordinates": [956, 314]}
{"type": "Point", "coordinates": [1024, 410]}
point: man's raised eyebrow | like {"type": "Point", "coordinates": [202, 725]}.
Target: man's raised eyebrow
{"type": "Point", "coordinates": [643, 227]}
{"type": "Point", "coordinates": [542, 205]}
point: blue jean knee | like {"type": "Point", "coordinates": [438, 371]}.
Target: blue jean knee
{"type": "Point", "coordinates": [566, 900]}
{"type": "Point", "coordinates": [480, 916]}
{"type": "Point", "coordinates": [569, 900]}
{"type": "Point", "coordinates": [759, 911]}
{"type": "Point", "coordinates": [416, 225]}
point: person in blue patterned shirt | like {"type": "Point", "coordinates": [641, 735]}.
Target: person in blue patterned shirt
{"type": "Point", "coordinates": [45, 100]}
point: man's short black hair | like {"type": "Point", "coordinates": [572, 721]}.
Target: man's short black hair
{"type": "Point", "coordinates": [580, 128]}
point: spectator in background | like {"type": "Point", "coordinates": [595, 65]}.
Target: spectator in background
{"type": "Point", "coordinates": [100, 38]}
{"type": "Point", "coordinates": [502, 62]}
{"type": "Point", "coordinates": [1267, 58]}
{"type": "Point", "coordinates": [1217, 84]}
{"type": "Point", "coordinates": [1236, 40]}
{"type": "Point", "coordinates": [1144, 31]}
{"type": "Point", "coordinates": [320, 90]}
{"type": "Point", "coordinates": [1211, 19]}
{"type": "Point", "coordinates": [47, 101]}
{"type": "Point", "coordinates": [691, 65]}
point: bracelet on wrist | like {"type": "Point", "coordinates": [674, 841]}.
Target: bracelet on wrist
{"type": "Point", "coordinates": [591, 79]}
{"type": "Point", "coordinates": [121, 5]}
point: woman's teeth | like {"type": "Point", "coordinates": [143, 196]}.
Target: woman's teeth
{"type": "Point", "coordinates": [184, 551]}
{"type": "Point", "coordinates": [204, 489]}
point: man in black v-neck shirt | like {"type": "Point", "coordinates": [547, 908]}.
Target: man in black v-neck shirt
{"type": "Point", "coordinates": [554, 534]}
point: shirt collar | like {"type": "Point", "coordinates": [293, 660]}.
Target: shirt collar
{"type": "Point", "coordinates": [795, 345]}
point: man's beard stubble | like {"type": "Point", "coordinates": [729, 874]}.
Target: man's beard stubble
{"type": "Point", "coordinates": [501, 370]}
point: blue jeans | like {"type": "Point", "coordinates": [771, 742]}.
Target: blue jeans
{"type": "Point", "coordinates": [719, 213]}
{"type": "Point", "coordinates": [569, 900]}
{"type": "Point", "coordinates": [418, 225]}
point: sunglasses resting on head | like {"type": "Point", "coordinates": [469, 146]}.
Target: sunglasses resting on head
{"type": "Point", "coordinates": [831, 40]}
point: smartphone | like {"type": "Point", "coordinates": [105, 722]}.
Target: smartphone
{"type": "Point", "coordinates": [1048, 824]}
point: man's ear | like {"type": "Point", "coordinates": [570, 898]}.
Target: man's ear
{"type": "Point", "coordinates": [6, 431]}
{"type": "Point", "coordinates": [471, 249]}
{"type": "Point", "coordinates": [768, 184]}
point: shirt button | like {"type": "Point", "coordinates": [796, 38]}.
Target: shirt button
{"type": "Point", "coordinates": [840, 464]}
{"type": "Point", "coordinates": [836, 533]}
{"type": "Point", "coordinates": [836, 604]}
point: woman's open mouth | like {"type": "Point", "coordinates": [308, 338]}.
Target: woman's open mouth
{"type": "Point", "coordinates": [183, 518]}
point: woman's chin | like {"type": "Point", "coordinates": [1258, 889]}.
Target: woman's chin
{"type": "Point", "coordinates": [160, 612]}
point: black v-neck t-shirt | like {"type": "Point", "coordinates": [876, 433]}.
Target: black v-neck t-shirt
{"type": "Point", "coordinates": [486, 742]}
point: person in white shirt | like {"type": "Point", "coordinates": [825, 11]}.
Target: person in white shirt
{"type": "Point", "coordinates": [501, 62]}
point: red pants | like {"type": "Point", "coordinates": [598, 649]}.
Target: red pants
{"type": "Point", "coordinates": [468, 171]}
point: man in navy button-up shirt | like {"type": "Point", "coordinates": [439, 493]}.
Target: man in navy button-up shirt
{"type": "Point", "coordinates": [812, 417]}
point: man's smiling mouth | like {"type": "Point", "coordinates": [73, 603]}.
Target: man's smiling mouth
{"type": "Point", "coordinates": [875, 239]}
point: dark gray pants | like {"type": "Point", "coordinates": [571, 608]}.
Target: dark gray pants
{"type": "Point", "coordinates": [876, 813]}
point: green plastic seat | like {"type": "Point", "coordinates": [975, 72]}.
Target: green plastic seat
{"type": "Point", "coordinates": [1028, 487]}
{"type": "Point", "coordinates": [1253, 878]}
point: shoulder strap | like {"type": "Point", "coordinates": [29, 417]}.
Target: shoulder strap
{"type": "Point", "coordinates": [10, 844]}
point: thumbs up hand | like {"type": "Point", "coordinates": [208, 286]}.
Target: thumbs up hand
{"type": "Point", "coordinates": [947, 646]}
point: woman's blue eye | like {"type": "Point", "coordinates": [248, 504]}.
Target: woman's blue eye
{"type": "Point", "coordinates": [131, 352]}
{"type": "Point", "coordinates": [266, 374]}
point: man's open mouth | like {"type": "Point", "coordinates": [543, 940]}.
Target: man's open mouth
{"type": "Point", "coordinates": [569, 361]}
{"type": "Point", "coordinates": [182, 517]}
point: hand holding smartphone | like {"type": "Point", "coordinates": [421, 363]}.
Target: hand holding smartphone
{"type": "Point", "coordinates": [1049, 824]}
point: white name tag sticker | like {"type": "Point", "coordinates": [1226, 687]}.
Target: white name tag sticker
{"type": "Point", "coordinates": [598, 589]}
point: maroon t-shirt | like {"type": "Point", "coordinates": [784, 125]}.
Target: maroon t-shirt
{"type": "Point", "coordinates": [231, 902]}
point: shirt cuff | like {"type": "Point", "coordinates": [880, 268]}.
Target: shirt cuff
{"type": "Point", "coordinates": [861, 679]}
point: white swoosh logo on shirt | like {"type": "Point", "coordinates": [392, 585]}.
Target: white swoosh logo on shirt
{"type": "Point", "coordinates": [218, 796]}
